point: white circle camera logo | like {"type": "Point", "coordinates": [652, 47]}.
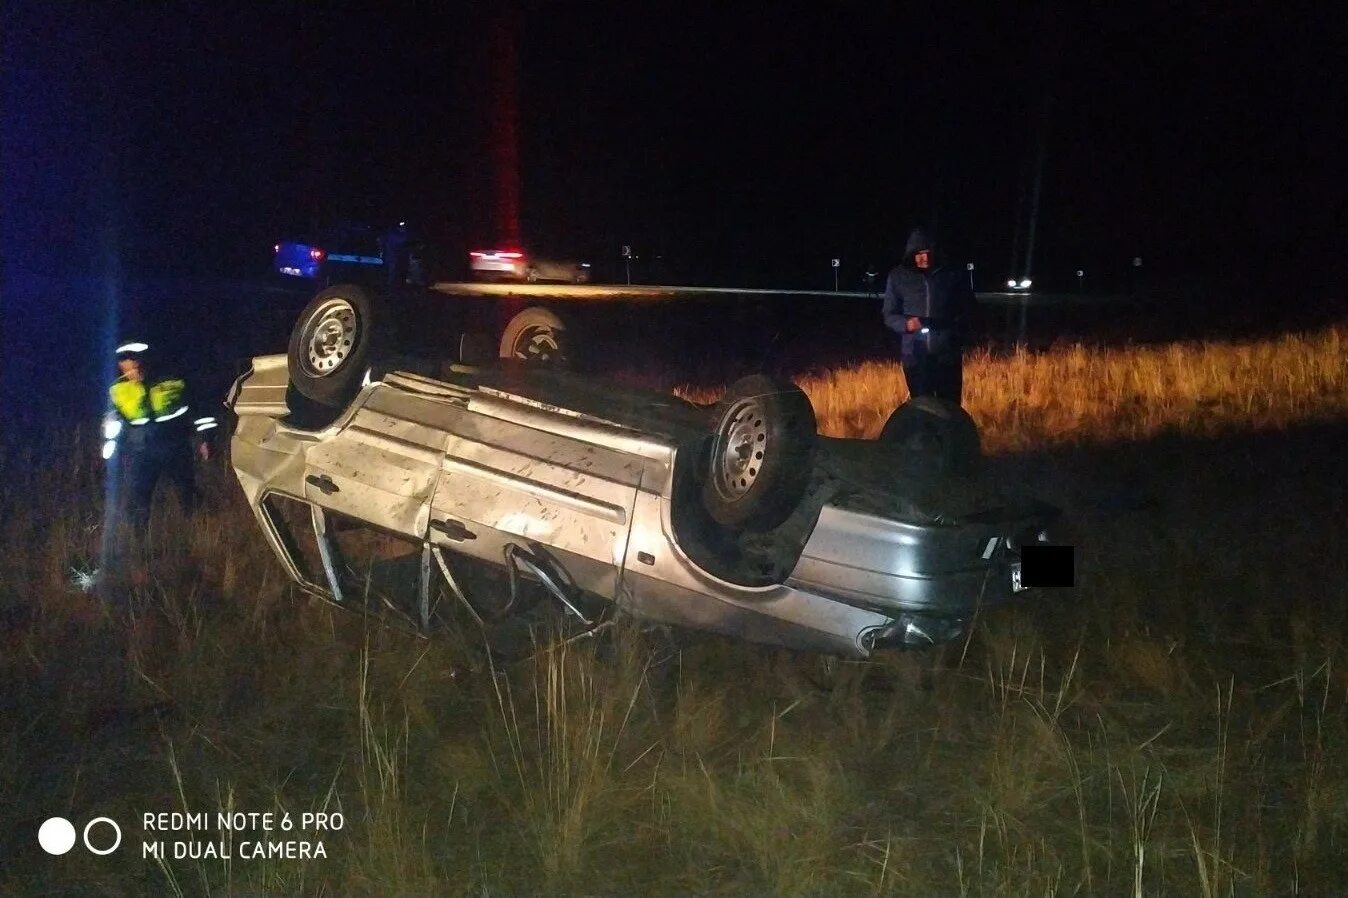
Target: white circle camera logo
{"type": "Point", "coordinates": [57, 835]}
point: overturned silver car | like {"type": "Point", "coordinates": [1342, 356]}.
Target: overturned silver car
{"type": "Point", "coordinates": [737, 519]}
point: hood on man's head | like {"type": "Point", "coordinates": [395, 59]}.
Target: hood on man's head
{"type": "Point", "coordinates": [919, 239]}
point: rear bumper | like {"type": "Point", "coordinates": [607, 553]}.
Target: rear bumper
{"type": "Point", "coordinates": [494, 268]}
{"type": "Point", "coordinates": [895, 568]}
{"type": "Point", "coordinates": [954, 594]}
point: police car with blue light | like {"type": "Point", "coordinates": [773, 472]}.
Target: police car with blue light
{"type": "Point", "coordinates": [343, 253]}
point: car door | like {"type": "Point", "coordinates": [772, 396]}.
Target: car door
{"type": "Point", "coordinates": [544, 481]}
{"type": "Point", "coordinates": [383, 463]}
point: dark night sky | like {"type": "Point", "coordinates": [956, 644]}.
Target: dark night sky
{"type": "Point", "coordinates": [742, 145]}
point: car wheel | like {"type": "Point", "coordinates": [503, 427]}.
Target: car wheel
{"type": "Point", "coordinates": [332, 345]}
{"type": "Point", "coordinates": [531, 275]}
{"type": "Point", "coordinates": [936, 433]}
{"type": "Point", "coordinates": [580, 277]}
{"type": "Point", "coordinates": [535, 335]}
{"type": "Point", "coordinates": [762, 454]}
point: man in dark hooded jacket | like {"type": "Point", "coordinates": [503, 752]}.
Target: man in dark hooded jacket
{"type": "Point", "coordinates": [929, 304]}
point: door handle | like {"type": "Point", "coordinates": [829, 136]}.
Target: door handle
{"type": "Point", "coordinates": [453, 529]}
{"type": "Point", "coordinates": [323, 483]}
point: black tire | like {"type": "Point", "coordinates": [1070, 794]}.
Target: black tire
{"type": "Point", "coordinates": [936, 433]}
{"type": "Point", "coordinates": [307, 414]}
{"type": "Point", "coordinates": [531, 276]}
{"type": "Point", "coordinates": [762, 454]}
{"type": "Point", "coordinates": [538, 336]}
{"type": "Point", "coordinates": [334, 343]}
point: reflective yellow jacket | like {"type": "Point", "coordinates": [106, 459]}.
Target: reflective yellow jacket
{"type": "Point", "coordinates": [147, 415]}
{"type": "Point", "coordinates": [163, 400]}
{"type": "Point", "coordinates": [151, 416]}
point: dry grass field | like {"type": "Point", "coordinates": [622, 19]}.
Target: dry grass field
{"type": "Point", "coordinates": [1176, 724]}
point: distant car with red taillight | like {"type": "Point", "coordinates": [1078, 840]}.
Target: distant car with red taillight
{"type": "Point", "coordinates": [516, 264]}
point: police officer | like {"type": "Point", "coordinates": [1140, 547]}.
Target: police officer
{"type": "Point", "coordinates": [930, 305]}
{"type": "Point", "coordinates": [394, 248]}
{"type": "Point", "coordinates": [150, 433]}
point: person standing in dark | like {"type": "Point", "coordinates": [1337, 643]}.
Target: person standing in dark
{"type": "Point", "coordinates": [150, 433]}
{"type": "Point", "coordinates": [394, 248]}
{"type": "Point", "coordinates": [930, 305]}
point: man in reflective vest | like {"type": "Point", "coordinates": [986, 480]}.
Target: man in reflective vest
{"type": "Point", "coordinates": [151, 432]}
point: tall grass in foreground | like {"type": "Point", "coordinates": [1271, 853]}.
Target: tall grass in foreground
{"type": "Point", "coordinates": [1178, 724]}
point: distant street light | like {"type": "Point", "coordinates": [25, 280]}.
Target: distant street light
{"type": "Point", "coordinates": [1081, 277]}
{"type": "Point", "coordinates": [969, 267]}
{"type": "Point", "coordinates": [836, 264]}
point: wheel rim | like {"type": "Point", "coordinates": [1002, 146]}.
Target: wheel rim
{"type": "Point", "coordinates": [329, 337]}
{"type": "Point", "coordinates": [537, 344]}
{"type": "Point", "coordinates": [741, 442]}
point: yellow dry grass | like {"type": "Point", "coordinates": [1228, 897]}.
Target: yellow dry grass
{"type": "Point", "coordinates": [1077, 394]}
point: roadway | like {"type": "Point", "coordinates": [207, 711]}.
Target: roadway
{"type": "Point", "coordinates": [645, 293]}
